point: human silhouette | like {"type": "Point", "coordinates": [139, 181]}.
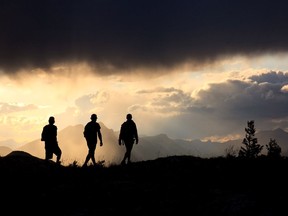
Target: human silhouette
{"type": "Point", "coordinates": [92, 130]}
{"type": "Point", "coordinates": [127, 136]}
{"type": "Point", "coordinates": [49, 136]}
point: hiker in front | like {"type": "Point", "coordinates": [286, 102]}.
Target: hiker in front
{"type": "Point", "coordinates": [128, 136]}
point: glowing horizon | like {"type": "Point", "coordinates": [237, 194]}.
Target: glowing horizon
{"type": "Point", "coordinates": [162, 103]}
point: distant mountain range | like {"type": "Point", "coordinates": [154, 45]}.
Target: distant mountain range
{"type": "Point", "coordinates": [74, 147]}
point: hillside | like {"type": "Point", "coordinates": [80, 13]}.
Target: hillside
{"type": "Point", "coordinates": [4, 150]}
{"type": "Point", "coordinates": [164, 186]}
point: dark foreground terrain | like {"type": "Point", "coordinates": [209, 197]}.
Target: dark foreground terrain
{"type": "Point", "coordinates": [178, 185]}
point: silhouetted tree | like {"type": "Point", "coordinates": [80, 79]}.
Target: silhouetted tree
{"type": "Point", "coordinates": [274, 150]}
{"type": "Point", "coordinates": [251, 149]}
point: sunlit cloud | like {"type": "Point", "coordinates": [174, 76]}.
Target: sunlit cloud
{"type": "Point", "coordinates": [209, 103]}
{"type": "Point", "coordinates": [284, 89]}
{"type": "Point", "coordinates": [16, 107]}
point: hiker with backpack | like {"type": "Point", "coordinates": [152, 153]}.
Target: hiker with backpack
{"type": "Point", "coordinates": [49, 136]}
{"type": "Point", "coordinates": [128, 136]}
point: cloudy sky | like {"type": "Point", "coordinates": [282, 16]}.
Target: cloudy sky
{"type": "Point", "coordinates": [189, 69]}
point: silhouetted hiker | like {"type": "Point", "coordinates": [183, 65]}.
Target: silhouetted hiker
{"type": "Point", "coordinates": [49, 136]}
{"type": "Point", "coordinates": [92, 130]}
{"type": "Point", "coordinates": [127, 136]}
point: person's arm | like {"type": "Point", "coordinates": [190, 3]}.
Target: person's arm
{"type": "Point", "coordinates": [85, 131]}
{"type": "Point", "coordinates": [100, 137]}
{"type": "Point", "coordinates": [43, 135]}
{"type": "Point", "coordinates": [120, 136]}
{"type": "Point", "coordinates": [136, 134]}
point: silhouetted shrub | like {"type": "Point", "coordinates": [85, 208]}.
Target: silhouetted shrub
{"type": "Point", "coordinates": [231, 152]}
{"type": "Point", "coordinates": [274, 150]}
{"type": "Point", "coordinates": [74, 164]}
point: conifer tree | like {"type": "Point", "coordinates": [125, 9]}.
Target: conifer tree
{"type": "Point", "coordinates": [274, 150]}
{"type": "Point", "coordinates": [251, 147]}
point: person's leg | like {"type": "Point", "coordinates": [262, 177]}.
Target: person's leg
{"type": "Point", "coordinates": [58, 153]}
{"type": "Point", "coordinates": [88, 155]}
{"type": "Point", "coordinates": [48, 155]}
{"type": "Point", "coordinates": [92, 156]}
{"type": "Point", "coordinates": [87, 159]}
{"type": "Point", "coordinates": [48, 152]}
{"type": "Point", "coordinates": [127, 155]}
{"type": "Point", "coordinates": [123, 162]}
{"type": "Point", "coordinates": [129, 150]}
{"type": "Point", "coordinates": [91, 153]}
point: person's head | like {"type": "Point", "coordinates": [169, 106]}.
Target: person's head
{"type": "Point", "coordinates": [93, 117]}
{"type": "Point", "coordinates": [129, 116]}
{"type": "Point", "coordinates": [51, 120]}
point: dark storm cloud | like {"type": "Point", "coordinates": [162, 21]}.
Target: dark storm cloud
{"type": "Point", "coordinates": [126, 33]}
{"type": "Point", "coordinates": [235, 99]}
{"type": "Point", "coordinates": [271, 77]}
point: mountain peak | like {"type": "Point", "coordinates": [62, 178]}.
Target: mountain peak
{"type": "Point", "coordinates": [279, 130]}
